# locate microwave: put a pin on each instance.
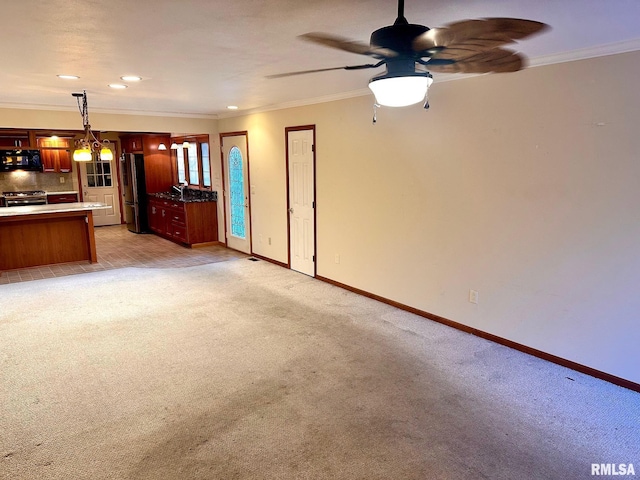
(20, 159)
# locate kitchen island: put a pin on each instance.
(37, 235)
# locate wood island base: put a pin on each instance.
(46, 238)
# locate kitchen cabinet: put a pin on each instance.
(55, 160)
(186, 223)
(55, 154)
(15, 138)
(46, 234)
(62, 197)
(131, 143)
(157, 163)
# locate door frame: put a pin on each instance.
(224, 186)
(315, 210)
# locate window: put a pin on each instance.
(99, 172)
(193, 163)
(194, 177)
(206, 165)
(182, 178)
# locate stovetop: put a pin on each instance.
(25, 193)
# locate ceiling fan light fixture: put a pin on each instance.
(400, 91)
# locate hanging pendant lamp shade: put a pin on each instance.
(106, 154)
(82, 154)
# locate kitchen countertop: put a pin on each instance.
(189, 196)
(66, 192)
(53, 208)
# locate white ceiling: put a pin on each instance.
(198, 56)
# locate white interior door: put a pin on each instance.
(301, 200)
(236, 193)
(100, 184)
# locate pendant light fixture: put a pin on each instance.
(89, 145)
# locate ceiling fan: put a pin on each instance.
(410, 52)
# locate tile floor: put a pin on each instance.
(117, 247)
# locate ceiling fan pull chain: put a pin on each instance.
(375, 112)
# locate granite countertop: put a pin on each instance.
(54, 208)
(190, 196)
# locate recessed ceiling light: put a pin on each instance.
(117, 85)
(131, 78)
(69, 77)
(232, 107)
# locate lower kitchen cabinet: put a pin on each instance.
(187, 223)
(62, 197)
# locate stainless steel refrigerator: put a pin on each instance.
(134, 192)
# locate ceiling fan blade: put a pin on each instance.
(347, 45)
(348, 67)
(482, 34)
(497, 60)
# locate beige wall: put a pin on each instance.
(523, 187)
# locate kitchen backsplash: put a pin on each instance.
(49, 182)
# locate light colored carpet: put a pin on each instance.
(243, 370)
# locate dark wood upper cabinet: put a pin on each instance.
(157, 163)
(55, 153)
(132, 143)
(15, 138)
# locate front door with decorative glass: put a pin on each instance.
(236, 192)
(100, 184)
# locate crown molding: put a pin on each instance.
(585, 53)
(298, 103)
(140, 113)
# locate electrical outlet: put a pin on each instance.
(337, 258)
(61, 179)
(473, 296)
